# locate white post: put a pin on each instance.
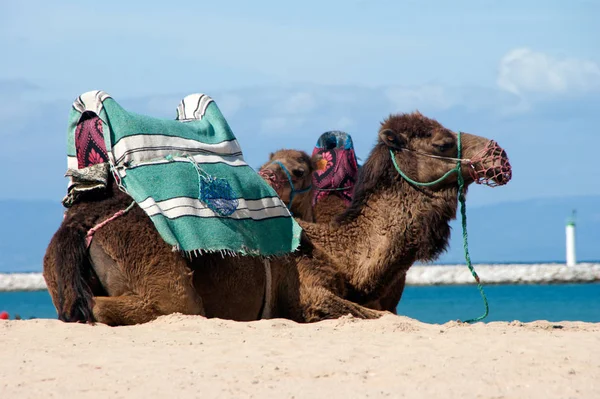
(570, 232)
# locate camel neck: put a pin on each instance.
(301, 206)
(394, 226)
(415, 221)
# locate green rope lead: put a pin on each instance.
(463, 212)
(431, 183)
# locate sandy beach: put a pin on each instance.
(396, 357)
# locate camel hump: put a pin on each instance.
(218, 203)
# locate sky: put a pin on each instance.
(525, 73)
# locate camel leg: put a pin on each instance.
(133, 309)
(141, 292)
(321, 292)
(136, 309)
(391, 300)
(318, 304)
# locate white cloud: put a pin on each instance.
(525, 71)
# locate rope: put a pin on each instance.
(463, 212)
(431, 183)
(293, 191)
(92, 231)
(461, 160)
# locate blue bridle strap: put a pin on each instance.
(291, 182)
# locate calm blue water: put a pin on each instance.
(432, 304)
(560, 302)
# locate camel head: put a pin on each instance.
(289, 172)
(425, 151)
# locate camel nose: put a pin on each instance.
(491, 166)
(298, 172)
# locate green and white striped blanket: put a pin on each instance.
(190, 177)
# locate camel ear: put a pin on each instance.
(393, 139)
(271, 155)
(317, 162)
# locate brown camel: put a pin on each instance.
(299, 166)
(331, 207)
(393, 223)
(131, 275)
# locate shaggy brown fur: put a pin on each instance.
(328, 208)
(301, 167)
(132, 276)
(389, 225)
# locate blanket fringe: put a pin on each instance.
(229, 253)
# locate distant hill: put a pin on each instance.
(527, 231)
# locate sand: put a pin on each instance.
(184, 356)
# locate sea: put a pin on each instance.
(430, 304)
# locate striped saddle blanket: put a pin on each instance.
(187, 174)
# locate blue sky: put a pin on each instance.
(526, 73)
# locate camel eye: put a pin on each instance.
(443, 147)
(298, 172)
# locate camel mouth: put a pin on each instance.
(278, 181)
(491, 166)
(271, 178)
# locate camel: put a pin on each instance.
(330, 208)
(293, 174)
(296, 175)
(300, 168)
(391, 222)
(289, 172)
(132, 276)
